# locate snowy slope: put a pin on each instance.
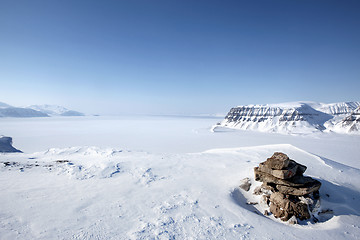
(36, 111)
(335, 108)
(297, 117)
(93, 193)
(54, 110)
(4, 105)
(9, 111)
(20, 112)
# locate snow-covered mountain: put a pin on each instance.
(4, 105)
(335, 108)
(7, 110)
(54, 110)
(351, 123)
(296, 117)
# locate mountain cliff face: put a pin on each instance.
(351, 123)
(286, 118)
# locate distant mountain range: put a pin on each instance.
(296, 117)
(7, 110)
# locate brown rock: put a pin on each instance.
(281, 206)
(289, 194)
(265, 199)
(245, 184)
(296, 181)
(278, 161)
(286, 173)
(276, 211)
(258, 191)
(300, 168)
(279, 212)
(280, 200)
(301, 210)
(263, 189)
(285, 208)
(299, 191)
(267, 188)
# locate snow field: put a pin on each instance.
(102, 193)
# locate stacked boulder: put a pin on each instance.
(288, 193)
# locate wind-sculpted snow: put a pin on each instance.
(97, 193)
(293, 118)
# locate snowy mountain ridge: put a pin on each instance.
(55, 110)
(289, 118)
(351, 123)
(7, 110)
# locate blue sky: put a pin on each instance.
(177, 57)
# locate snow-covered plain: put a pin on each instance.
(162, 178)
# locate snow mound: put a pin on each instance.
(87, 191)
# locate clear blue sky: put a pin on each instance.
(177, 56)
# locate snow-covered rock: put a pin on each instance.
(6, 145)
(297, 117)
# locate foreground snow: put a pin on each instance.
(94, 193)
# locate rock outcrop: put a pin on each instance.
(352, 122)
(6, 145)
(288, 193)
